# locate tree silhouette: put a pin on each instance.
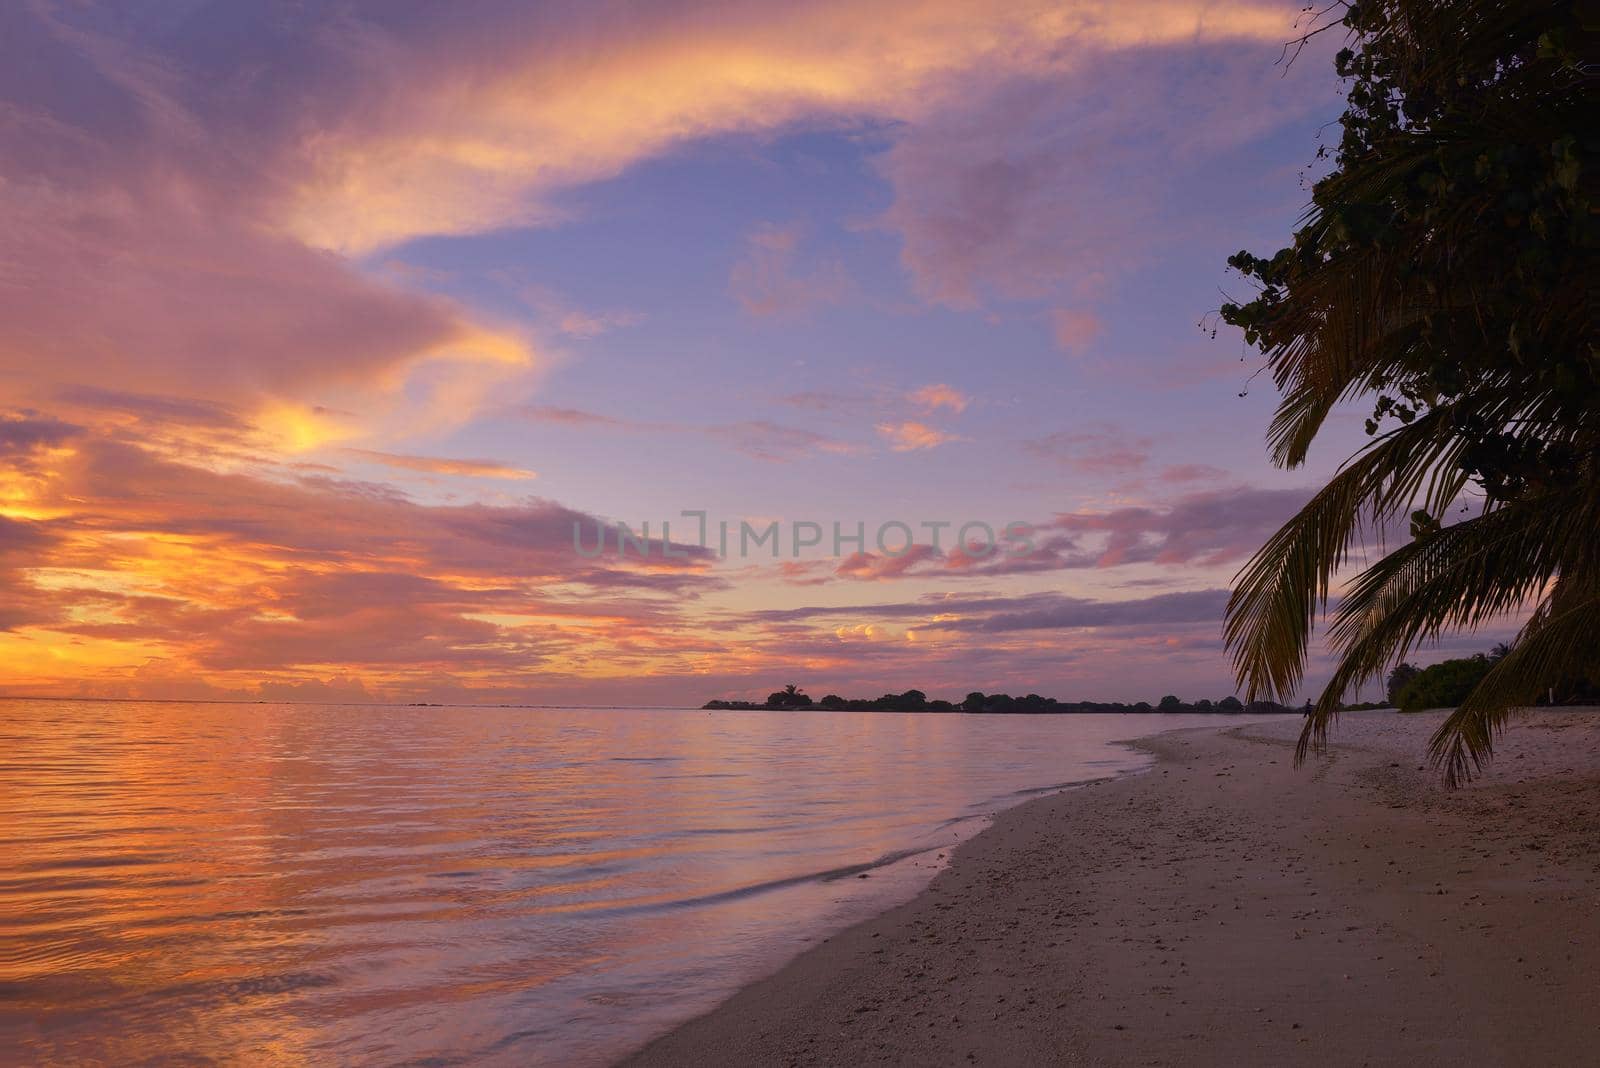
(1444, 272)
(1402, 674)
(791, 696)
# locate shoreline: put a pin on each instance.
(1221, 907)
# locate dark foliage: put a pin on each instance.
(1444, 274)
(993, 704)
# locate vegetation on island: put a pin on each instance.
(1450, 682)
(792, 698)
(1443, 685)
(1444, 273)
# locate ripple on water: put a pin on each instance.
(261, 883)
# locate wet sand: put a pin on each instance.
(1224, 908)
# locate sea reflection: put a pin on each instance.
(298, 883)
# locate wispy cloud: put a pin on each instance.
(760, 439)
(938, 395)
(764, 440)
(1192, 473)
(910, 436)
(565, 317)
(1203, 529)
(825, 401)
(876, 566)
(439, 466)
(770, 280)
(1022, 187)
(1035, 611)
(1074, 328)
(1099, 449)
(546, 413)
(217, 573)
(208, 311)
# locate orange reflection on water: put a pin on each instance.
(283, 883)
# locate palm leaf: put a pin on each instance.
(1558, 642)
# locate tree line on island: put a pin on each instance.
(1409, 689)
(792, 698)
(1450, 682)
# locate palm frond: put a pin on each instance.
(1459, 577)
(1279, 590)
(1559, 641)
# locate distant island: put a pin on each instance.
(1409, 688)
(792, 698)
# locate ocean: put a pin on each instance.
(287, 883)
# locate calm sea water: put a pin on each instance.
(272, 883)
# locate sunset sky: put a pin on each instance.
(321, 324)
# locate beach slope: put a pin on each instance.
(1225, 908)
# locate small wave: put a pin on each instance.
(827, 875)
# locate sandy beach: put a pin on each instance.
(1226, 908)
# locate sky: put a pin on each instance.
(336, 336)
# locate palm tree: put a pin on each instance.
(1444, 272)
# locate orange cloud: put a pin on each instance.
(441, 152)
(938, 395)
(135, 289)
(184, 281)
(909, 436)
(186, 238)
(129, 572)
(438, 466)
(234, 578)
(867, 566)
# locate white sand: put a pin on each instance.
(1224, 908)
